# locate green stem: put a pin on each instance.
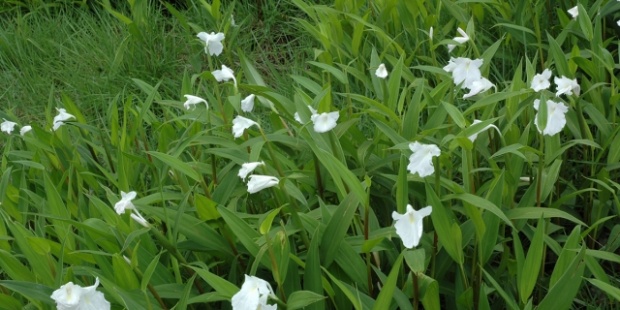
(541, 164)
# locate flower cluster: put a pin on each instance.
(466, 72)
(257, 182)
(556, 111)
(8, 126)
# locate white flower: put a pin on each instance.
(7, 126)
(247, 168)
(25, 129)
(298, 118)
(125, 202)
(75, 297)
(381, 72)
(61, 118)
(253, 295)
(213, 42)
(574, 12)
(240, 124)
(259, 182)
(409, 225)
(430, 33)
(566, 86)
(460, 40)
(478, 86)
(541, 81)
(464, 70)
(618, 22)
(473, 137)
(193, 101)
(556, 118)
(226, 74)
(324, 122)
(421, 161)
(247, 104)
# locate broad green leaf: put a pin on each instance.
(607, 288)
(177, 164)
(534, 213)
(337, 229)
(302, 299)
(528, 277)
(384, 300)
(219, 284)
(562, 294)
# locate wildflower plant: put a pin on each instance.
(418, 189)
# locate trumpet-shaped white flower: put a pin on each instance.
(459, 39)
(324, 122)
(125, 202)
(409, 226)
(478, 86)
(259, 182)
(430, 33)
(74, 297)
(60, 118)
(25, 130)
(473, 137)
(556, 117)
(574, 12)
(298, 118)
(247, 104)
(7, 126)
(566, 86)
(193, 101)
(381, 72)
(464, 70)
(225, 74)
(253, 295)
(240, 124)
(541, 80)
(421, 161)
(213, 42)
(247, 168)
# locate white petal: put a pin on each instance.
(541, 81)
(247, 168)
(421, 161)
(247, 104)
(257, 182)
(556, 117)
(574, 12)
(253, 293)
(409, 226)
(473, 137)
(25, 130)
(478, 86)
(381, 72)
(7, 126)
(325, 122)
(225, 74)
(193, 101)
(240, 124)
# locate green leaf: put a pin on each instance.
(302, 299)
(177, 164)
(387, 291)
(528, 277)
(607, 288)
(482, 204)
(337, 229)
(265, 226)
(32, 291)
(448, 231)
(219, 284)
(562, 294)
(535, 213)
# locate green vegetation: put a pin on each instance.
(521, 176)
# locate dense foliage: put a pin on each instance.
(423, 154)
